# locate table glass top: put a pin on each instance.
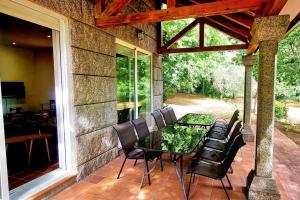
(197, 119)
(175, 139)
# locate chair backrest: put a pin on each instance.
(126, 135)
(237, 144)
(234, 132)
(158, 119)
(233, 119)
(141, 127)
(166, 115)
(172, 114)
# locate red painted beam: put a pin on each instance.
(194, 11)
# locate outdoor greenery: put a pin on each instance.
(193, 118)
(280, 110)
(221, 74)
(181, 138)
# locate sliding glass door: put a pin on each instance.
(134, 84)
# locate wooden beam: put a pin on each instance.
(230, 25)
(195, 11)
(115, 7)
(226, 31)
(180, 34)
(171, 3)
(99, 7)
(203, 49)
(201, 34)
(239, 19)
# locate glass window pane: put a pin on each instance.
(144, 84)
(125, 83)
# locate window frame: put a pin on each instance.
(34, 13)
(136, 50)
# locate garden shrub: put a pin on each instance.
(280, 110)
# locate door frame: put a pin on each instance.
(34, 13)
(136, 50)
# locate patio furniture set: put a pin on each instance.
(213, 144)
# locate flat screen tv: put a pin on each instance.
(13, 89)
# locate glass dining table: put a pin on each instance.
(179, 141)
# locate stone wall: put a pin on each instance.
(94, 77)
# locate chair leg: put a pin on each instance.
(121, 168)
(224, 189)
(188, 192)
(194, 175)
(230, 186)
(135, 162)
(147, 171)
(161, 164)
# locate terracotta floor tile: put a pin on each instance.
(104, 185)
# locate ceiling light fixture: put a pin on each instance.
(14, 43)
(48, 36)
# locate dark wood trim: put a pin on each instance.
(203, 49)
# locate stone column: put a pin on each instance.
(248, 61)
(266, 31)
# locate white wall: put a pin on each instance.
(35, 69)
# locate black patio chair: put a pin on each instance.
(215, 170)
(158, 119)
(222, 123)
(142, 131)
(216, 151)
(172, 114)
(167, 116)
(222, 145)
(221, 131)
(128, 140)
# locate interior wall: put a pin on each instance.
(17, 65)
(35, 69)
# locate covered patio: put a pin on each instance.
(257, 25)
(103, 184)
(267, 167)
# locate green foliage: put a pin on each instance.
(194, 118)
(194, 72)
(280, 110)
(288, 67)
(181, 138)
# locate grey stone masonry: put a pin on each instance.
(266, 31)
(248, 61)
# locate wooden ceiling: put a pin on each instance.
(233, 17)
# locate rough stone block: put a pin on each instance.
(91, 38)
(158, 76)
(157, 102)
(263, 188)
(91, 63)
(93, 144)
(157, 87)
(269, 28)
(93, 89)
(89, 118)
(92, 165)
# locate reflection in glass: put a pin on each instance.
(125, 83)
(144, 84)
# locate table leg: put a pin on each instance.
(47, 147)
(26, 147)
(29, 152)
(180, 175)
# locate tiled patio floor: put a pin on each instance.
(103, 185)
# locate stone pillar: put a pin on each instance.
(248, 61)
(266, 31)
